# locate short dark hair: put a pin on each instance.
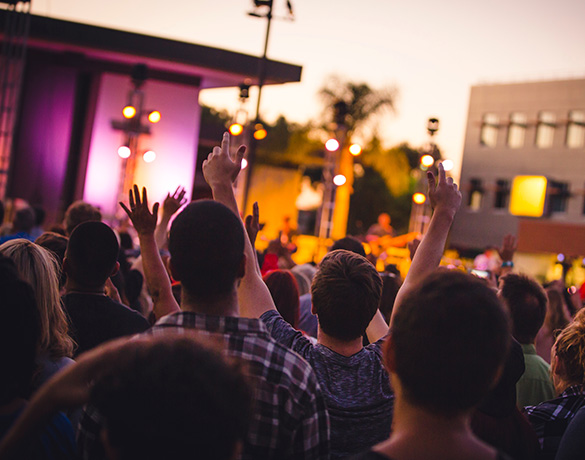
(527, 302)
(173, 397)
(206, 243)
(24, 220)
(79, 212)
(450, 339)
(92, 252)
(20, 333)
(349, 243)
(346, 293)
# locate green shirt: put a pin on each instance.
(535, 385)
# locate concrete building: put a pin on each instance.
(524, 129)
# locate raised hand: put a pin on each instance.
(219, 169)
(509, 245)
(443, 194)
(173, 202)
(253, 224)
(143, 220)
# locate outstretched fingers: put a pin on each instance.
(240, 154)
(442, 175)
(225, 144)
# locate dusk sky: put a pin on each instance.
(432, 52)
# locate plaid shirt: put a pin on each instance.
(550, 418)
(290, 419)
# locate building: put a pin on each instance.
(77, 79)
(524, 129)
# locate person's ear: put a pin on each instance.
(556, 366)
(66, 266)
(313, 310)
(242, 267)
(173, 270)
(115, 269)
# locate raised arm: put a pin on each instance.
(445, 200)
(170, 206)
(157, 278)
(220, 172)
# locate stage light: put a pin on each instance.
(419, 198)
(427, 161)
(339, 180)
(355, 149)
(332, 145)
(236, 129)
(259, 132)
(149, 156)
(128, 111)
(124, 151)
(448, 165)
(154, 116)
(244, 163)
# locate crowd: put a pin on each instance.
(199, 346)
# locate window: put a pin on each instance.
(558, 196)
(516, 130)
(576, 129)
(502, 194)
(475, 195)
(489, 130)
(545, 130)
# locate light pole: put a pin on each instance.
(420, 208)
(267, 5)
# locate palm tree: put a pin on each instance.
(352, 105)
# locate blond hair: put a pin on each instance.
(40, 269)
(569, 348)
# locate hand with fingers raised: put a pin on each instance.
(219, 169)
(173, 202)
(253, 224)
(443, 193)
(143, 220)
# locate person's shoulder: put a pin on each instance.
(282, 366)
(124, 313)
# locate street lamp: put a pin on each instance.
(259, 6)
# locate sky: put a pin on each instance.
(431, 52)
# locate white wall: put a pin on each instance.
(174, 139)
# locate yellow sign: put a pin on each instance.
(528, 196)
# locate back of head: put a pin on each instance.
(450, 339)
(19, 333)
(92, 252)
(557, 314)
(569, 349)
(527, 301)
(349, 243)
(40, 269)
(79, 212)
(346, 293)
(24, 220)
(57, 244)
(201, 406)
(285, 293)
(206, 243)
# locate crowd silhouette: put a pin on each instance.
(194, 345)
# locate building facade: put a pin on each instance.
(524, 129)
